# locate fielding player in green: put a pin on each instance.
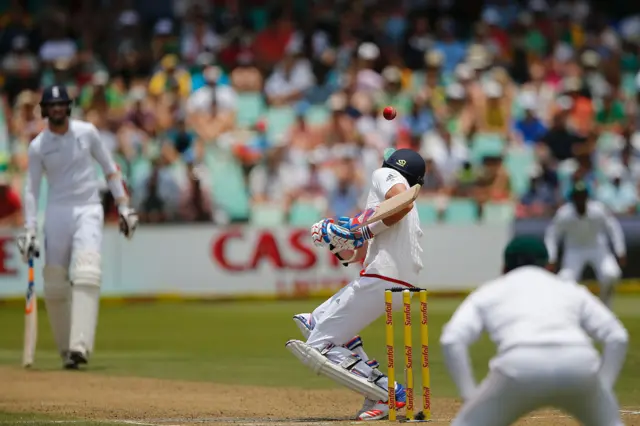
(542, 326)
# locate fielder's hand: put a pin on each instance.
(28, 245)
(128, 221)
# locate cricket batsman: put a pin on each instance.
(585, 224)
(64, 151)
(542, 326)
(392, 248)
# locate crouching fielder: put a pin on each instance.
(64, 152)
(541, 325)
(332, 347)
(585, 224)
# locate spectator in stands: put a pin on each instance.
(417, 43)
(582, 114)
(195, 204)
(448, 151)
(529, 129)
(494, 183)
(157, 195)
(344, 198)
(58, 45)
(246, 77)
(433, 181)
(542, 197)
(453, 50)
(139, 113)
(465, 183)
(290, 79)
(10, 205)
(20, 68)
(393, 95)
(619, 193)
(367, 79)
(212, 108)
(170, 76)
(199, 39)
(610, 114)
(164, 41)
(26, 122)
(542, 91)
(494, 114)
(559, 143)
(273, 180)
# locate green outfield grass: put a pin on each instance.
(243, 343)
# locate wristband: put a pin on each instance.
(377, 228)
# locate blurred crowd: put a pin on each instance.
(270, 111)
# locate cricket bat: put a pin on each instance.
(389, 207)
(30, 320)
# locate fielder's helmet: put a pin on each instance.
(56, 94)
(409, 163)
(524, 251)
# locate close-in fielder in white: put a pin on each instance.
(541, 325)
(393, 259)
(585, 224)
(64, 152)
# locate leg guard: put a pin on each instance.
(57, 297)
(343, 367)
(85, 277)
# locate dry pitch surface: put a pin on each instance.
(126, 400)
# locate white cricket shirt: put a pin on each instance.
(396, 252)
(531, 308)
(67, 162)
(587, 232)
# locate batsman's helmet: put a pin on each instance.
(523, 251)
(409, 163)
(56, 94)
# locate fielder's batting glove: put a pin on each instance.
(28, 245)
(128, 221)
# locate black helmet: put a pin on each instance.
(409, 163)
(56, 94)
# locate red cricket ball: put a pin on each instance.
(389, 113)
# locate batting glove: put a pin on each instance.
(28, 245)
(128, 221)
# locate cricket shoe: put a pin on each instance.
(74, 359)
(305, 323)
(372, 410)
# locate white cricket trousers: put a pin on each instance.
(72, 234)
(68, 229)
(350, 310)
(600, 258)
(527, 378)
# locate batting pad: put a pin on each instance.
(57, 297)
(339, 373)
(85, 275)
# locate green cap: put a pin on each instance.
(525, 250)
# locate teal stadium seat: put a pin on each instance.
(229, 190)
(461, 211)
(519, 164)
(427, 211)
(305, 213)
(251, 107)
(498, 212)
(317, 114)
(266, 215)
(486, 144)
(279, 120)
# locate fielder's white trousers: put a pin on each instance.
(600, 258)
(68, 229)
(527, 378)
(350, 310)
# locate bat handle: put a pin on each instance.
(30, 262)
